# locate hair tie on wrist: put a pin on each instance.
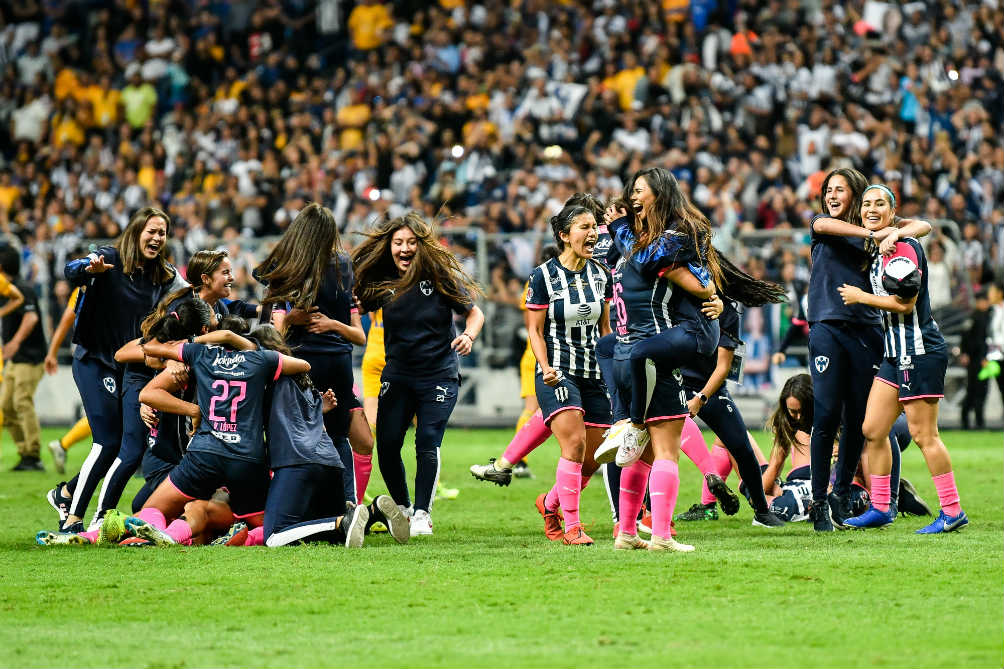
(175, 314)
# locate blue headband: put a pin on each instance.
(885, 189)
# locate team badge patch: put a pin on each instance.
(109, 384)
(384, 387)
(561, 394)
(822, 362)
(425, 287)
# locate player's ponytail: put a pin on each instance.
(741, 287)
(188, 319)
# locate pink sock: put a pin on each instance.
(664, 485)
(632, 494)
(533, 434)
(881, 493)
(569, 485)
(363, 467)
(552, 501)
(256, 537)
(692, 444)
(721, 465)
(948, 494)
(180, 531)
(90, 536)
(153, 516)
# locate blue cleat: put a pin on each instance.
(871, 518)
(945, 523)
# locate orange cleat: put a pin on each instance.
(672, 528)
(617, 529)
(576, 537)
(552, 520)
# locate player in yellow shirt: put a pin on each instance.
(82, 429)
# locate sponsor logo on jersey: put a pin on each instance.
(821, 362)
(228, 361)
(441, 393)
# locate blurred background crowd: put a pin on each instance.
(487, 115)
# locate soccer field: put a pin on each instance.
(489, 590)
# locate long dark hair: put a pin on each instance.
(780, 424)
(131, 254)
(295, 268)
(377, 278)
(187, 319)
(590, 202)
(561, 222)
(741, 287)
(856, 182)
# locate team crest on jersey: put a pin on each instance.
(821, 362)
(426, 287)
(109, 383)
(678, 376)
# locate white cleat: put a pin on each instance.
(58, 455)
(397, 521)
(629, 542)
(354, 526)
(607, 450)
(668, 544)
(632, 447)
(421, 523)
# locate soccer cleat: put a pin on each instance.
(819, 514)
(144, 530)
(492, 474)
(871, 518)
(235, 536)
(136, 542)
(28, 463)
(47, 538)
(699, 512)
(112, 529)
(72, 528)
(521, 470)
(945, 523)
(645, 524)
(910, 503)
(632, 447)
(629, 542)
(378, 527)
(442, 492)
(58, 455)
(616, 529)
(668, 544)
(393, 518)
(840, 509)
(728, 499)
(607, 450)
(766, 519)
(421, 523)
(354, 526)
(96, 521)
(59, 502)
(576, 537)
(552, 519)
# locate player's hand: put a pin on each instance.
(178, 371)
(196, 417)
(328, 400)
(97, 266)
(320, 323)
(694, 405)
(298, 316)
(10, 349)
(713, 307)
(462, 344)
(850, 294)
(551, 376)
(149, 416)
(778, 358)
(51, 365)
(888, 245)
(613, 213)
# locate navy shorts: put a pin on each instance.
(588, 396)
(667, 398)
(916, 376)
(200, 474)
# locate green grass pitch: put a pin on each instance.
(489, 590)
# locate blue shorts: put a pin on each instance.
(201, 473)
(588, 396)
(917, 376)
(667, 398)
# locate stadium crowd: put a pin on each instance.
(232, 115)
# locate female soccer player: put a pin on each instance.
(309, 276)
(912, 376)
(124, 283)
(568, 302)
(228, 446)
(419, 284)
(845, 341)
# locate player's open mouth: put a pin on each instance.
(153, 249)
(834, 206)
(589, 246)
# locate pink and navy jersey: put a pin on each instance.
(904, 274)
(230, 391)
(574, 303)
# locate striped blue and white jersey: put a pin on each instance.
(574, 303)
(904, 274)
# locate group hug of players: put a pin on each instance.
(251, 438)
